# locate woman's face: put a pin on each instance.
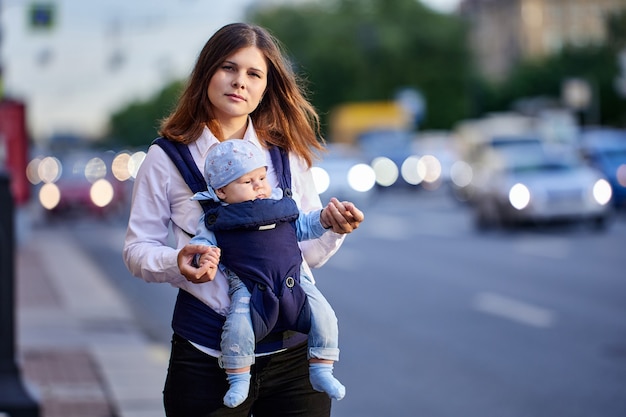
(237, 86)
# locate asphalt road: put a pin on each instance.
(439, 320)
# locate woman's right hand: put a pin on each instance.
(209, 259)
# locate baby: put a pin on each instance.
(236, 178)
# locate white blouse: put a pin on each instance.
(161, 212)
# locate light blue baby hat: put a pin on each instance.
(229, 160)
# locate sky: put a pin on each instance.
(104, 54)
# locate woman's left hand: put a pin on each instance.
(202, 273)
(342, 216)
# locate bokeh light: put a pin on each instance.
(119, 166)
(602, 191)
(411, 170)
(32, 171)
(95, 169)
(101, 193)
(49, 195)
(461, 173)
(385, 170)
(519, 196)
(621, 175)
(433, 168)
(361, 177)
(135, 162)
(49, 169)
(321, 179)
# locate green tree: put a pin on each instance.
(595, 64)
(360, 50)
(348, 50)
(137, 123)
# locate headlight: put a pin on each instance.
(135, 162)
(101, 193)
(621, 175)
(120, 166)
(413, 170)
(49, 196)
(602, 192)
(49, 169)
(321, 179)
(385, 171)
(361, 177)
(433, 168)
(519, 196)
(461, 174)
(95, 169)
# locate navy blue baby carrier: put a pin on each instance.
(256, 238)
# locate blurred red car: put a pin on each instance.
(81, 182)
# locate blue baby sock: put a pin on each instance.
(322, 379)
(238, 391)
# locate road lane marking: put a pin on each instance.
(515, 310)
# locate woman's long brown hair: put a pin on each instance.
(284, 117)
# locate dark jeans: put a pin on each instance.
(279, 387)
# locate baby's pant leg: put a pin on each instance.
(237, 335)
(324, 333)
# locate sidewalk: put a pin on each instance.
(79, 349)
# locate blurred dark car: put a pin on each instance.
(542, 188)
(390, 153)
(342, 172)
(605, 150)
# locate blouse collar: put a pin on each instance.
(208, 139)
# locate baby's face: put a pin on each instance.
(249, 186)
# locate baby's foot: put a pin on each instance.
(322, 379)
(238, 391)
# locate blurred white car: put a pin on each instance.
(485, 156)
(343, 173)
(542, 189)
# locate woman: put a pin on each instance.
(240, 88)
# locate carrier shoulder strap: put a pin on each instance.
(280, 159)
(181, 156)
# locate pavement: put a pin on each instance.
(80, 351)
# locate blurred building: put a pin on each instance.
(505, 31)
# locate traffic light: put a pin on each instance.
(42, 15)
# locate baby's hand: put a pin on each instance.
(209, 261)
